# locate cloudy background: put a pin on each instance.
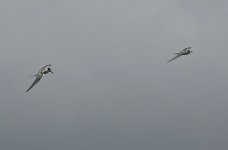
(112, 88)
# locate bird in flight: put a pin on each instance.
(185, 51)
(44, 70)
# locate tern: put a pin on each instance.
(185, 51)
(44, 70)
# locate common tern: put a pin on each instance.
(185, 51)
(44, 70)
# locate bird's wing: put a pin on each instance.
(43, 68)
(38, 77)
(184, 49)
(178, 55)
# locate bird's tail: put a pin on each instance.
(33, 75)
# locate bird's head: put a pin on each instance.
(188, 50)
(49, 69)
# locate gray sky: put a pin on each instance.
(112, 88)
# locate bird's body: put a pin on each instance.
(44, 70)
(185, 51)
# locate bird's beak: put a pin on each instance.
(52, 72)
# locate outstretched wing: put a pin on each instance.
(38, 77)
(178, 55)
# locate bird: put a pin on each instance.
(44, 70)
(185, 51)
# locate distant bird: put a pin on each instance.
(44, 70)
(185, 51)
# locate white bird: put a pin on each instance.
(185, 51)
(44, 70)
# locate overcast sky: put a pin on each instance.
(112, 88)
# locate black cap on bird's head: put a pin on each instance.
(49, 69)
(188, 49)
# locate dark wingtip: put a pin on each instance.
(28, 90)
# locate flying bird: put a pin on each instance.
(185, 51)
(44, 70)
